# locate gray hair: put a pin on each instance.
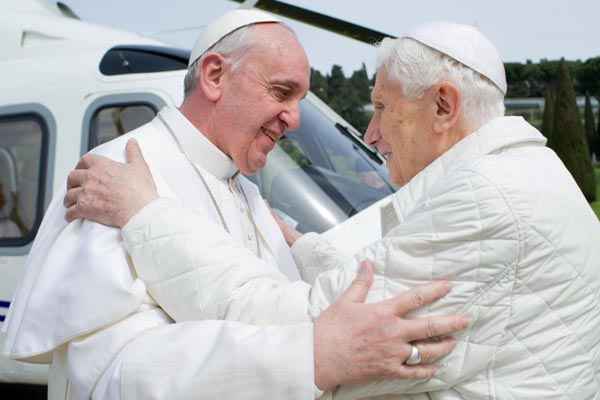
(233, 46)
(418, 67)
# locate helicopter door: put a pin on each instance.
(24, 173)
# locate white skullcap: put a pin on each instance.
(467, 45)
(226, 24)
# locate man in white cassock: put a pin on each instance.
(83, 307)
(482, 203)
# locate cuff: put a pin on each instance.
(307, 254)
(304, 247)
(135, 231)
(140, 231)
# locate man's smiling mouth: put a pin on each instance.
(270, 134)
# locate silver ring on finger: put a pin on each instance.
(415, 356)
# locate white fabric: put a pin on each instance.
(498, 215)
(226, 24)
(465, 44)
(81, 300)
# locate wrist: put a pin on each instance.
(291, 236)
(325, 377)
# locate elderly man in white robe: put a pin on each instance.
(482, 202)
(83, 307)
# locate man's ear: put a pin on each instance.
(210, 76)
(448, 106)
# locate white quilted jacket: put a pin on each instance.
(498, 215)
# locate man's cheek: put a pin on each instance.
(257, 155)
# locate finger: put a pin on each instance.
(133, 152)
(414, 372)
(72, 214)
(433, 350)
(76, 178)
(88, 160)
(358, 290)
(72, 196)
(424, 328)
(417, 297)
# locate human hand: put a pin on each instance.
(109, 192)
(356, 342)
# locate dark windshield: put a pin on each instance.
(319, 175)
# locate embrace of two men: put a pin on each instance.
(202, 293)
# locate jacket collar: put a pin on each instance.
(497, 134)
(196, 146)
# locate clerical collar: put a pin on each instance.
(198, 148)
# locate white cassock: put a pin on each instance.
(82, 306)
(498, 215)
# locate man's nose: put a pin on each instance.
(291, 116)
(372, 135)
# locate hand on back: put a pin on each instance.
(109, 192)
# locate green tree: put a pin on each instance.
(518, 86)
(568, 136)
(590, 127)
(589, 77)
(548, 119)
(598, 129)
(361, 83)
(345, 99)
(530, 79)
(318, 84)
(336, 82)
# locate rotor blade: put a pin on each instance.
(322, 21)
(66, 10)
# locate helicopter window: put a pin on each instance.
(142, 60)
(22, 160)
(115, 120)
(316, 177)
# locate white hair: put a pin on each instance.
(233, 46)
(418, 67)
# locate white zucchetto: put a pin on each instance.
(466, 44)
(226, 24)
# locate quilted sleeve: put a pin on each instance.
(195, 271)
(313, 256)
(464, 231)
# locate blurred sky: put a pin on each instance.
(520, 29)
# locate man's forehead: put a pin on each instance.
(382, 83)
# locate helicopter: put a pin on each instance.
(69, 86)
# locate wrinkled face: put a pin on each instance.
(260, 100)
(400, 129)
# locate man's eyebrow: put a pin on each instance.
(286, 82)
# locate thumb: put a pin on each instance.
(358, 290)
(133, 152)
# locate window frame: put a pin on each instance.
(47, 123)
(115, 100)
(175, 54)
